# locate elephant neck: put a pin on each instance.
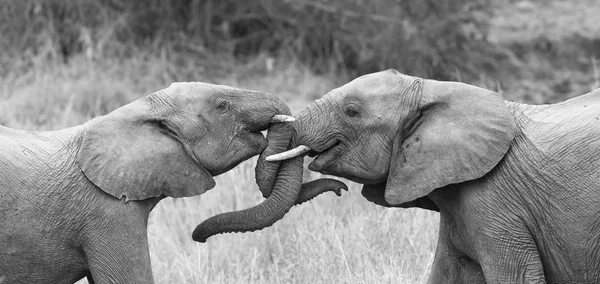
(42, 157)
(41, 166)
(41, 146)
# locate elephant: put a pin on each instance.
(74, 203)
(517, 186)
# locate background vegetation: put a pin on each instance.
(63, 62)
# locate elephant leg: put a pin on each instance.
(455, 269)
(120, 259)
(511, 256)
(116, 242)
(452, 266)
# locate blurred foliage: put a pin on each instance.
(494, 44)
(429, 38)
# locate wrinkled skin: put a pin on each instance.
(286, 191)
(279, 182)
(516, 185)
(75, 202)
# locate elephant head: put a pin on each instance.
(403, 137)
(173, 141)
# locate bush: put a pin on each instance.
(430, 38)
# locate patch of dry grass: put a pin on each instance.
(524, 20)
(328, 240)
(54, 96)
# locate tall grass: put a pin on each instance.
(328, 240)
(54, 95)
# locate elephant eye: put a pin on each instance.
(351, 110)
(222, 105)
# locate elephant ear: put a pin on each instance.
(130, 154)
(460, 134)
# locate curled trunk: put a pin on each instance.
(286, 177)
(314, 126)
(288, 191)
(314, 188)
(278, 137)
(283, 197)
(279, 182)
(278, 140)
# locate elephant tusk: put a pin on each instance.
(289, 154)
(282, 118)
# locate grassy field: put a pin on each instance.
(328, 240)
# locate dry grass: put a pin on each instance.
(525, 20)
(53, 96)
(329, 240)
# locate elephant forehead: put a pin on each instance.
(190, 92)
(376, 84)
(195, 89)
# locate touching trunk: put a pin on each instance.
(278, 137)
(279, 202)
(314, 188)
(286, 177)
(314, 126)
(280, 183)
(287, 192)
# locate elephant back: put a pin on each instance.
(566, 132)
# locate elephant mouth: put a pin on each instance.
(256, 140)
(246, 144)
(328, 161)
(255, 134)
(332, 162)
(324, 159)
(315, 153)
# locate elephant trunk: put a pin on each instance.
(284, 195)
(315, 126)
(312, 189)
(278, 137)
(280, 183)
(309, 132)
(288, 191)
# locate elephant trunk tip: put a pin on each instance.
(317, 187)
(248, 220)
(202, 233)
(199, 237)
(282, 198)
